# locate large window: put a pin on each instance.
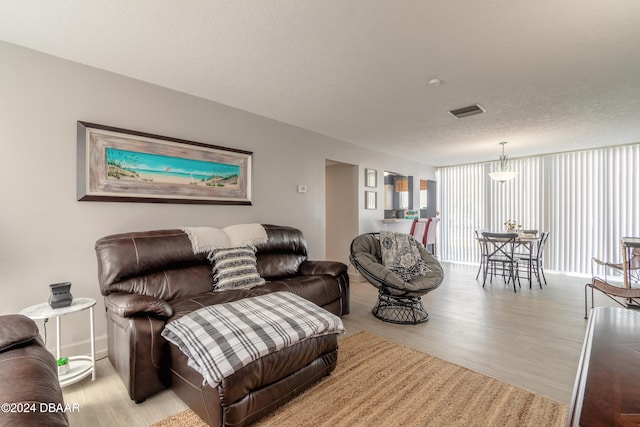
(587, 200)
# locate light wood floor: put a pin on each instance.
(531, 339)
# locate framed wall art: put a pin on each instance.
(370, 178)
(127, 166)
(370, 200)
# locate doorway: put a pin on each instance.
(341, 209)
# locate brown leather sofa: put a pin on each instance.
(151, 278)
(30, 393)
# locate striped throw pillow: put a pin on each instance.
(235, 268)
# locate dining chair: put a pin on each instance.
(499, 255)
(539, 259)
(479, 238)
(432, 230)
(419, 229)
(532, 260)
(527, 248)
(633, 266)
(624, 296)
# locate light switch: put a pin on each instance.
(302, 188)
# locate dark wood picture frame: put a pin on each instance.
(120, 165)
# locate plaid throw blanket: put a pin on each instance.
(220, 339)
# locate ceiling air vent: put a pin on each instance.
(467, 111)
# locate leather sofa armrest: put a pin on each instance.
(128, 305)
(322, 268)
(15, 330)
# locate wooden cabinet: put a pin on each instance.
(607, 386)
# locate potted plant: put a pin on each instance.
(63, 365)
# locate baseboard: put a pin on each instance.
(356, 277)
(79, 348)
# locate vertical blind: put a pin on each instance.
(587, 200)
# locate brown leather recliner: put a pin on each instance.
(151, 278)
(29, 389)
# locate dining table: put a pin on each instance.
(528, 242)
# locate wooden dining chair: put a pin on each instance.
(499, 255)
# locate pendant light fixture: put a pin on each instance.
(503, 174)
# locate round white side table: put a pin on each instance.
(80, 366)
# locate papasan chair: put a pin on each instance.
(399, 300)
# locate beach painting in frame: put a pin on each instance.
(122, 165)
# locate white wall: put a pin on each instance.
(47, 236)
(341, 205)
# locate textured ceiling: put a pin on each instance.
(552, 75)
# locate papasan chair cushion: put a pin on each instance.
(366, 256)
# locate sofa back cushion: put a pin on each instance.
(158, 263)
(283, 252)
(161, 263)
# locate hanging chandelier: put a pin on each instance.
(503, 174)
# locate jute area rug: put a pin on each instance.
(379, 383)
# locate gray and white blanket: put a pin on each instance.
(219, 340)
(401, 255)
